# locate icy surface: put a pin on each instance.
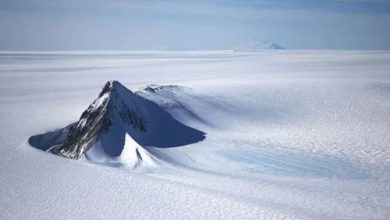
(290, 135)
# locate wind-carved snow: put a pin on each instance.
(132, 155)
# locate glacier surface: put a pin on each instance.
(290, 135)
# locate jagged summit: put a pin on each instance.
(121, 125)
(113, 86)
(108, 110)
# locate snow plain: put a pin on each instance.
(289, 135)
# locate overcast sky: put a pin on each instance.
(184, 24)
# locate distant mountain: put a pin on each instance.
(256, 45)
(273, 46)
(118, 128)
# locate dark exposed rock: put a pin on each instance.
(97, 120)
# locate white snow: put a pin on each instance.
(289, 135)
(132, 156)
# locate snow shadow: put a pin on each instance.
(162, 130)
(46, 140)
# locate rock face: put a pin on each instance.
(98, 118)
(120, 119)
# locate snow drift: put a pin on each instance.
(117, 129)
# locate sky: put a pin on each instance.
(193, 24)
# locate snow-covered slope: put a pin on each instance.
(290, 135)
